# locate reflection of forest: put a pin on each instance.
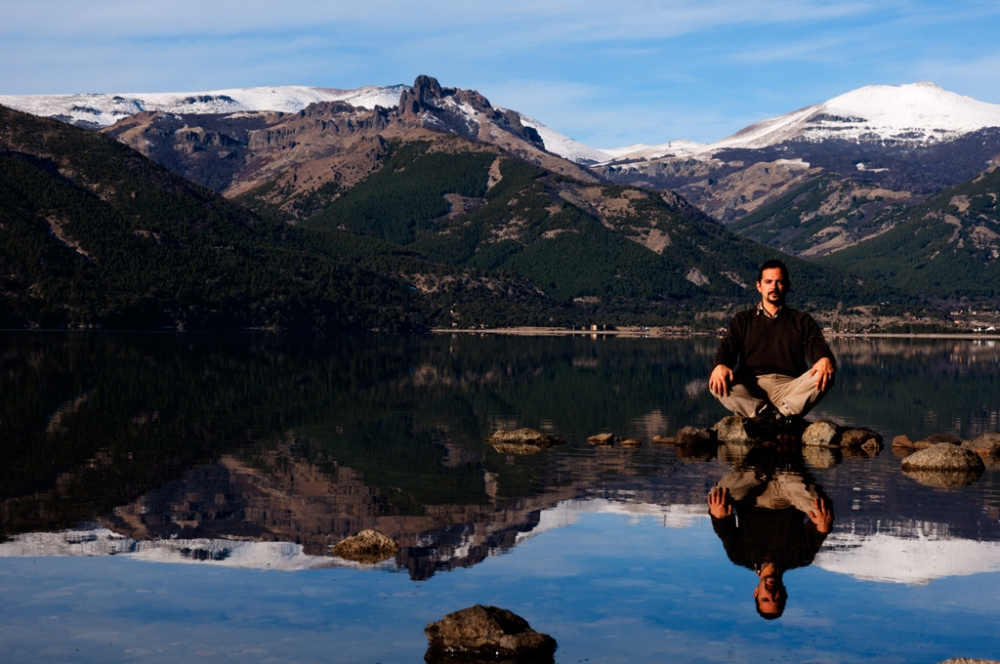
(917, 387)
(313, 441)
(866, 350)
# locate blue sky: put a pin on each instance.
(606, 73)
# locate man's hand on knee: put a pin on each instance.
(718, 503)
(720, 379)
(823, 372)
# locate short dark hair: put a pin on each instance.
(770, 265)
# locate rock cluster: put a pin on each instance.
(522, 441)
(824, 433)
(946, 461)
(486, 634)
(368, 547)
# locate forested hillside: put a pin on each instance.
(449, 233)
(947, 247)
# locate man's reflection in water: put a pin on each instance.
(771, 517)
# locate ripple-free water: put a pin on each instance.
(174, 498)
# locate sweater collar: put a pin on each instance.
(762, 310)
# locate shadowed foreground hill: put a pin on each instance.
(93, 233)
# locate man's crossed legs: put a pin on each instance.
(751, 396)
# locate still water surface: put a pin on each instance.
(175, 498)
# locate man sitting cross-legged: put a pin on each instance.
(773, 363)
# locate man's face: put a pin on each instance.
(773, 286)
(770, 596)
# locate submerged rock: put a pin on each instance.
(944, 456)
(937, 439)
(861, 437)
(986, 445)
(822, 433)
(486, 634)
(603, 439)
(630, 442)
(368, 547)
(522, 441)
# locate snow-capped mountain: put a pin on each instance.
(916, 114)
(103, 110)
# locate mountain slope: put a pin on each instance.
(948, 246)
(606, 249)
(92, 232)
(327, 146)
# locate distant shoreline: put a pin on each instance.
(662, 333)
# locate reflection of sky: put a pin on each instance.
(609, 587)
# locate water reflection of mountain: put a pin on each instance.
(260, 441)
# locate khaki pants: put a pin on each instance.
(786, 488)
(750, 395)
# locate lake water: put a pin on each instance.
(175, 498)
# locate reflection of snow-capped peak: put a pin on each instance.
(568, 512)
(102, 110)
(99, 541)
(916, 557)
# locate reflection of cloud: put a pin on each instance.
(696, 388)
(568, 512)
(916, 557)
(651, 424)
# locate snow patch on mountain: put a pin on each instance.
(103, 110)
(914, 115)
(564, 146)
(918, 114)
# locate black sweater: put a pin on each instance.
(779, 345)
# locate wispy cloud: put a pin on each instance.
(605, 73)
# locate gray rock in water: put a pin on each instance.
(521, 441)
(486, 633)
(937, 439)
(368, 547)
(730, 430)
(822, 433)
(944, 456)
(986, 445)
(861, 437)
